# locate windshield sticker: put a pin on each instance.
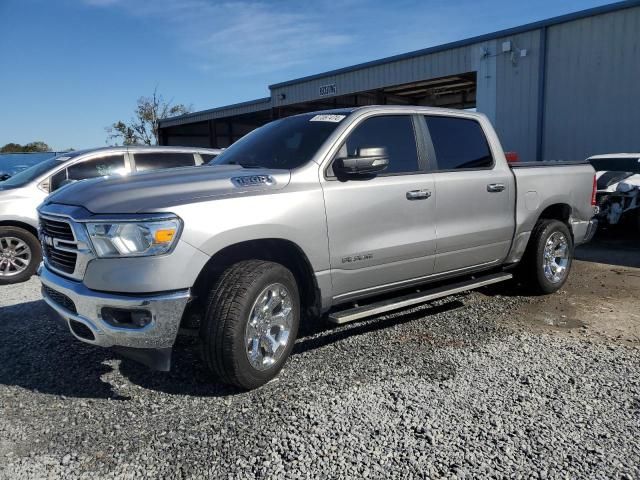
(328, 118)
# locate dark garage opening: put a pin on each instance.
(455, 91)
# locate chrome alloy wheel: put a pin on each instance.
(268, 329)
(556, 257)
(15, 256)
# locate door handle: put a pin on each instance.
(418, 194)
(495, 187)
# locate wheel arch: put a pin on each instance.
(277, 250)
(25, 226)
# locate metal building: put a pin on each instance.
(560, 89)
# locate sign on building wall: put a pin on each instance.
(326, 90)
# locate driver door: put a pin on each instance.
(381, 229)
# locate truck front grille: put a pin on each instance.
(61, 260)
(58, 244)
(59, 299)
(56, 229)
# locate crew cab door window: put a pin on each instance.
(159, 160)
(96, 167)
(459, 143)
(395, 133)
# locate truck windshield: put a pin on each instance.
(28, 175)
(283, 144)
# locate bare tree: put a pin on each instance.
(142, 129)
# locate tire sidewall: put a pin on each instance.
(544, 283)
(36, 253)
(244, 370)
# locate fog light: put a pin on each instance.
(122, 318)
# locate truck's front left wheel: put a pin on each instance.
(251, 323)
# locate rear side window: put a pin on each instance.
(157, 160)
(459, 143)
(395, 133)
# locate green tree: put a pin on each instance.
(142, 129)
(28, 148)
(37, 147)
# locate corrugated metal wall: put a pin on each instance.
(517, 94)
(441, 64)
(592, 101)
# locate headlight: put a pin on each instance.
(133, 239)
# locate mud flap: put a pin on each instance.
(155, 358)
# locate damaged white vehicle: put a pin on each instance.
(618, 188)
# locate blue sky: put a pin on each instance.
(69, 68)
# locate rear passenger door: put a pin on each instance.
(381, 232)
(158, 160)
(475, 195)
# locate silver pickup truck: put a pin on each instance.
(339, 214)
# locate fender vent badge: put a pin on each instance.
(253, 180)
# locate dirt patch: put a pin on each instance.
(600, 301)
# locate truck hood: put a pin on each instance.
(146, 192)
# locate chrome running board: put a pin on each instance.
(360, 312)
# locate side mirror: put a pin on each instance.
(367, 161)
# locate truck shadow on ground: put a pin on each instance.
(39, 354)
(614, 246)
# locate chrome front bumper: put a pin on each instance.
(77, 304)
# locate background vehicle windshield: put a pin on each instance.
(283, 144)
(20, 179)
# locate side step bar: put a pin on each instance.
(357, 313)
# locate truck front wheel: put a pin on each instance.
(548, 259)
(251, 323)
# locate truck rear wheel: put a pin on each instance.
(548, 259)
(251, 323)
(20, 255)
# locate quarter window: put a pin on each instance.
(459, 143)
(158, 160)
(393, 132)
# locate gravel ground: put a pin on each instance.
(454, 390)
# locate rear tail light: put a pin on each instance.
(593, 192)
(512, 157)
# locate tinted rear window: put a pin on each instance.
(459, 143)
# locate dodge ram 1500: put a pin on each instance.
(338, 214)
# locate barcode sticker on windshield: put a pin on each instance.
(328, 118)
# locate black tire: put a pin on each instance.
(532, 271)
(229, 307)
(6, 277)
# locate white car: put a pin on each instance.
(618, 187)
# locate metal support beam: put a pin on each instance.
(542, 80)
